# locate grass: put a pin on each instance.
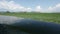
(48, 17)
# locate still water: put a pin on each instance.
(8, 20)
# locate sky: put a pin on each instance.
(43, 6)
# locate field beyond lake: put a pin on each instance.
(48, 17)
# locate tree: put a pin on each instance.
(7, 11)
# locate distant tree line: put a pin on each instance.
(7, 11)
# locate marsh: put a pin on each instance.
(15, 25)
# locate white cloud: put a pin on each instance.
(50, 9)
(55, 8)
(12, 6)
(38, 8)
(58, 5)
(28, 9)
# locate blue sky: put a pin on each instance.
(30, 5)
(42, 3)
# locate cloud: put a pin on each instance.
(29, 9)
(56, 8)
(12, 6)
(38, 8)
